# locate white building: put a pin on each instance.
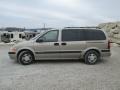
(17, 36)
(12, 36)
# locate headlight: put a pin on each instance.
(12, 49)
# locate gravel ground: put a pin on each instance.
(60, 75)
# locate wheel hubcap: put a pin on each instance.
(27, 58)
(92, 58)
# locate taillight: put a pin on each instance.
(109, 44)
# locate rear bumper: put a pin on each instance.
(12, 55)
(105, 53)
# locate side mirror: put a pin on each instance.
(39, 40)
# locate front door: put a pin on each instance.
(47, 46)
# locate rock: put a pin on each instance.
(112, 28)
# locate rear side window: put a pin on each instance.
(72, 35)
(94, 35)
(82, 35)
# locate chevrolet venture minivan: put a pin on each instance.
(89, 44)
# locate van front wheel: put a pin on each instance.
(91, 57)
(25, 58)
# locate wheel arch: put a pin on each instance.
(92, 49)
(21, 50)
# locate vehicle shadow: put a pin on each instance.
(57, 61)
(80, 61)
(103, 61)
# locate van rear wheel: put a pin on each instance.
(25, 58)
(91, 57)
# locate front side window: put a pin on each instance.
(51, 36)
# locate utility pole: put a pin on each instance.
(44, 25)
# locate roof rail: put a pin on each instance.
(83, 27)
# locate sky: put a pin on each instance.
(57, 13)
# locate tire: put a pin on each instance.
(25, 58)
(91, 57)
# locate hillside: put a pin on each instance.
(112, 28)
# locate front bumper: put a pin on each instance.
(12, 55)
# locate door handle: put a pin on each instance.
(64, 44)
(56, 44)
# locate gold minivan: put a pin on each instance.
(89, 44)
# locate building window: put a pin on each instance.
(20, 35)
(11, 35)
